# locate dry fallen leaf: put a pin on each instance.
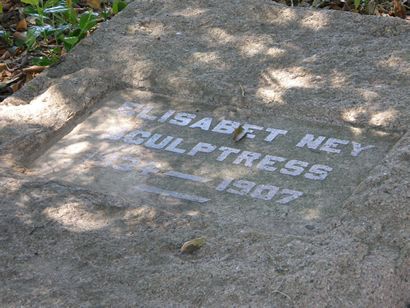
(6, 73)
(193, 245)
(238, 134)
(17, 86)
(6, 55)
(34, 69)
(95, 4)
(399, 9)
(22, 25)
(30, 76)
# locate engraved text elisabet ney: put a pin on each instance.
(155, 149)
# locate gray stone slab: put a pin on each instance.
(329, 66)
(84, 221)
(139, 144)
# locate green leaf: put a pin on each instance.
(31, 38)
(105, 14)
(357, 3)
(115, 7)
(42, 29)
(1, 8)
(71, 16)
(72, 40)
(7, 37)
(87, 21)
(31, 2)
(118, 6)
(37, 13)
(52, 3)
(45, 61)
(56, 9)
(47, 30)
(122, 5)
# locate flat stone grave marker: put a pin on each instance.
(136, 146)
(310, 208)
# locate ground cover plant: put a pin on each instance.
(35, 34)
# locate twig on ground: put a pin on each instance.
(284, 294)
(242, 90)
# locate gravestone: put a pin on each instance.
(117, 156)
(140, 146)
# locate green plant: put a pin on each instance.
(7, 37)
(44, 31)
(35, 9)
(118, 6)
(59, 22)
(53, 57)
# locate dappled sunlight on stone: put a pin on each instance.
(351, 115)
(287, 16)
(220, 36)
(397, 63)
(139, 147)
(211, 59)
(12, 185)
(274, 52)
(193, 213)
(252, 48)
(159, 96)
(274, 83)
(337, 79)
(315, 21)
(356, 131)
(144, 213)
(368, 95)
(272, 96)
(312, 214)
(370, 116)
(191, 12)
(34, 111)
(77, 148)
(295, 77)
(76, 218)
(383, 117)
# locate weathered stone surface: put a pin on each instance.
(330, 66)
(72, 235)
(139, 144)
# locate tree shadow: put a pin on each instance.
(264, 58)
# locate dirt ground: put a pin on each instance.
(66, 244)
